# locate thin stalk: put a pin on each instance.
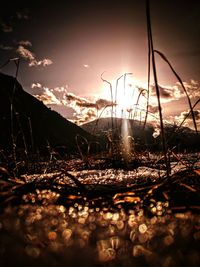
(23, 137)
(31, 134)
(125, 74)
(116, 88)
(150, 40)
(111, 94)
(17, 61)
(136, 105)
(149, 77)
(180, 125)
(96, 123)
(180, 81)
(189, 113)
(149, 113)
(78, 139)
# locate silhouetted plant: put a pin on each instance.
(151, 46)
(181, 83)
(83, 148)
(137, 102)
(17, 62)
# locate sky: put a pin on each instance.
(67, 48)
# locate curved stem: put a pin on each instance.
(180, 81)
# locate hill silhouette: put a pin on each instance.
(180, 139)
(29, 125)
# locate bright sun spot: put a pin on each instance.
(127, 96)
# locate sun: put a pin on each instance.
(127, 96)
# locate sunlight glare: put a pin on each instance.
(125, 96)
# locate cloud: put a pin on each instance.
(36, 85)
(86, 116)
(44, 62)
(22, 14)
(98, 104)
(6, 27)
(25, 43)
(187, 114)
(166, 92)
(73, 97)
(85, 109)
(102, 103)
(174, 92)
(193, 88)
(25, 53)
(61, 89)
(4, 47)
(194, 82)
(76, 102)
(84, 103)
(153, 109)
(48, 97)
(188, 118)
(30, 56)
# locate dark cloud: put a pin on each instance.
(72, 97)
(84, 103)
(164, 92)
(187, 114)
(153, 109)
(102, 103)
(99, 104)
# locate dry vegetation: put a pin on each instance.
(110, 208)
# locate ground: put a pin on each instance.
(67, 213)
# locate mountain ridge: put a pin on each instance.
(178, 139)
(28, 124)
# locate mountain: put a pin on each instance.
(180, 139)
(29, 125)
(101, 128)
